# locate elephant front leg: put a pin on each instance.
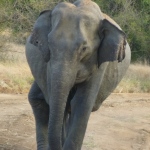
(41, 113)
(81, 107)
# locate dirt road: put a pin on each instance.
(122, 123)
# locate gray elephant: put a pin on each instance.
(77, 56)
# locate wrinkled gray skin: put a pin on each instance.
(77, 56)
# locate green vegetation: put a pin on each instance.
(20, 15)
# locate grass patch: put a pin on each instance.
(15, 77)
(136, 80)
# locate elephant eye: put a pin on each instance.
(36, 42)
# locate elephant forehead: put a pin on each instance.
(74, 18)
(62, 8)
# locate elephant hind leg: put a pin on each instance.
(41, 113)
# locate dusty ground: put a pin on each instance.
(122, 123)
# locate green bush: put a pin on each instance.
(20, 15)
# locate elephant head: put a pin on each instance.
(75, 40)
(109, 33)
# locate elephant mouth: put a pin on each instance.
(79, 80)
(82, 79)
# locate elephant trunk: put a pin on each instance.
(62, 78)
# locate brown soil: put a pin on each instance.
(122, 123)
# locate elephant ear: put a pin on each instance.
(44, 11)
(39, 36)
(113, 42)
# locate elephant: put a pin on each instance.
(77, 56)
